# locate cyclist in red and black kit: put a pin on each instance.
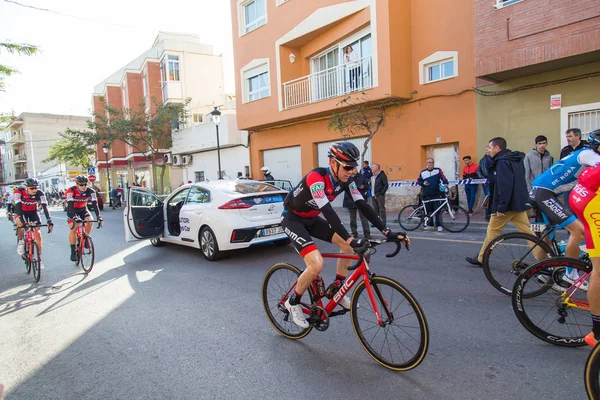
(27, 198)
(301, 222)
(77, 199)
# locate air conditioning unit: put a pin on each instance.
(177, 159)
(186, 159)
(168, 158)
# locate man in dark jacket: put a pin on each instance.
(482, 171)
(432, 180)
(380, 186)
(574, 142)
(367, 173)
(349, 203)
(508, 193)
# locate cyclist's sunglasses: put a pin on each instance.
(346, 167)
(82, 184)
(32, 187)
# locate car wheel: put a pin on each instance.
(156, 242)
(209, 245)
(282, 242)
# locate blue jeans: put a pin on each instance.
(471, 192)
(486, 192)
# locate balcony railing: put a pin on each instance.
(333, 82)
(20, 176)
(19, 138)
(19, 158)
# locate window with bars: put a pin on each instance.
(199, 176)
(586, 121)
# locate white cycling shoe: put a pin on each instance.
(21, 248)
(297, 314)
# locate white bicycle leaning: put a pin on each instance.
(452, 218)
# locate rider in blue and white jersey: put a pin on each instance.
(561, 177)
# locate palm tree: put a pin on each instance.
(14, 48)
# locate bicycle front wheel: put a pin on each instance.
(86, 251)
(559, 312)
(410, 217)
(455, 219)
(508, 255)
(277, 286)
(592, 373)
(35, 261)
(401, 342)
(26, 258)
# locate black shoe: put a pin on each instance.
(368, 237)
(73, 257)
(474, 261)
(355, 235)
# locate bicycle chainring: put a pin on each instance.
(318, 318)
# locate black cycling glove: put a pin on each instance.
(359, 243)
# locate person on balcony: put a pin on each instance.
(353, 68)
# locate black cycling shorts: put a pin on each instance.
(547, 202)
(302, 230)
(31, 216)
(82, 213)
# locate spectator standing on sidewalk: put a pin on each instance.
(430, 180)
(508, 193)
(367, 173)
(349, 203)
(482, 171)
(574, 142)
(537, 161)
(379, 187)
(470, 172)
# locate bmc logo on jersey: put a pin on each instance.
(318, 190)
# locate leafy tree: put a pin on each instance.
(148, 132)
(362, 115)
(14, 48)
(71, 150)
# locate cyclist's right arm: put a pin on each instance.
(316, 185)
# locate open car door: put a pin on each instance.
(143, 215)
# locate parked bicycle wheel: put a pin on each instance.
(559, 313)
(411, 217)
(35, 261)
(401, 344)
(277, 286)
(592, 373)
(508, 255)
(26, 257)
(86, 253)
(454, 220)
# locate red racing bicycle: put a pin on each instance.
(84, 247)
(31, 254)
(387, 320)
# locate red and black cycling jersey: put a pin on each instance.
(77, 200)
(28, 203)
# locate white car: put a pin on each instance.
(212, 216)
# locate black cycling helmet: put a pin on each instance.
(594, 139)
(345, 153)
(82, 179)
(31, 182)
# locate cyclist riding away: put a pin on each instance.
(27, 198)
(301, 221)
(561, 177)
(77, 199)
(585, 202)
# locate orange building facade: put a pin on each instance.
(293, 67)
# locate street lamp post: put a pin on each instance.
(216, 119)
(105, 150)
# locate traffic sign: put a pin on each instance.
(91, 171)
(92, 178)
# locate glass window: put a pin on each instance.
(237, 187)
(179, 197)
(173, 68)
(448, 69)
(145, 83)
(434, 73)
(258, 86)
(144, 199)
(198, 196)
(199, 176)
(198, 118)
(440, 70)
(254, 15)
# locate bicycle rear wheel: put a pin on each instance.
(458, 221)
(278, 284)
(35, 261)
(508, 255)
(410, 217)
(401, 344)
(592, 373)
(559, 313)
(86, 251)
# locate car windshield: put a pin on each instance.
(249, 188)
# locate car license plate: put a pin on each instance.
(272, 231)
(539, 227)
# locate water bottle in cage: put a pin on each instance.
(319, 287)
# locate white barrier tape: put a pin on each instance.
(458, 182)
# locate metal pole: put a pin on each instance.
(107, 175)
(219, 153)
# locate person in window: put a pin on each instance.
(353, 67)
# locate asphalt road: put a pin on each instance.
(163, 323)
